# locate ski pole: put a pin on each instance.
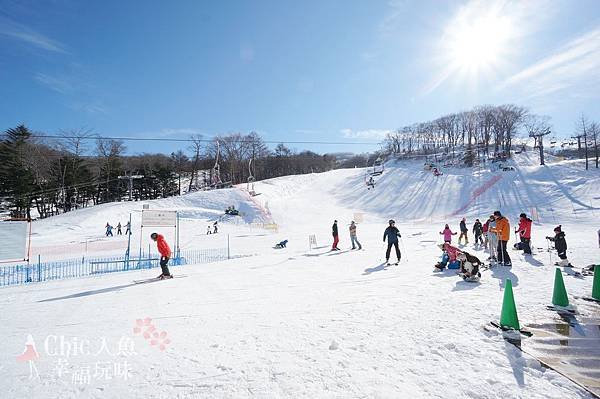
(403, 249)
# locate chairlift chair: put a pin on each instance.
(377, 167)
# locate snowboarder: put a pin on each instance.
(353, 238)
(391, 233)
(447, 233)
(502, 231)
(128, 230)
(370, 183)
(478, 232)
(208, 230)
(560, 244)
(165, 254)
(464, 231)
(281, 244)
(109, 229)
(119, 232)
(336, 238)
(524, 231)
(216, 228)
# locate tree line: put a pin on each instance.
(59, 175)
(482, 132)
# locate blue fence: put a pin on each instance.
(57, 270)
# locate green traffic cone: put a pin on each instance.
(596, 285)
(508, 315)
(559, 296)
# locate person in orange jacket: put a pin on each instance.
(502, 230)
(165, 254)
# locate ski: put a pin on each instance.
(150, 280)
(506, 329)
(561, 309)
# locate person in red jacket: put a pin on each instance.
(524, 231)
(165, 254)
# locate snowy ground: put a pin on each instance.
(311, 323)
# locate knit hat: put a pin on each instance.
(522, 215)
(558, 228)
(497, 213)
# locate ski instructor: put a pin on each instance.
(165, 254)
(392, 234)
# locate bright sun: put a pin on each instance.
(478, 42)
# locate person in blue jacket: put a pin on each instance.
(391, 233)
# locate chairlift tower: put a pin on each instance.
(130, 183)
(539, 138)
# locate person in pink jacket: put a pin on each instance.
(447, 233)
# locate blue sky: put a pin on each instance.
(342, 71)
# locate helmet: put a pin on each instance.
(154, 236)
(391, 221)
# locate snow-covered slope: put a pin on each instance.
(313, 323)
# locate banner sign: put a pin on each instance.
(13, 236)
(158, 218)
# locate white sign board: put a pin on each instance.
(158, 218)
(13, 236)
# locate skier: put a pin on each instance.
(165, 254)
(502, 231)
(478, 232)
(119, 232)
(560, 244)
(336, 238)
(492, 239)
(208, 230)
(216, 228)
(128, 231)
(392, 234)
(463, 231)
(353, 238)
(484, 229)
(109, 229)
(524, 231)
(447, 233)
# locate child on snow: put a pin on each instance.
(560, 244)
(449, 257)
(447, 233)
(109, 229)
(469, 266)
(478, 232)
(463, 231)
(353, 237)
(336, 237)
(282, 244)
(208, 230)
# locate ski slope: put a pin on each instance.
(303, 323)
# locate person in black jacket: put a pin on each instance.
(392, 234)
(336, 238)
(464, 231)
(478, 232)
(560, 244)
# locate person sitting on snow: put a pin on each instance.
(560, 244)
(469, 266)
(447, 233)
(436, 172)
(449, 257)
(282, 244)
